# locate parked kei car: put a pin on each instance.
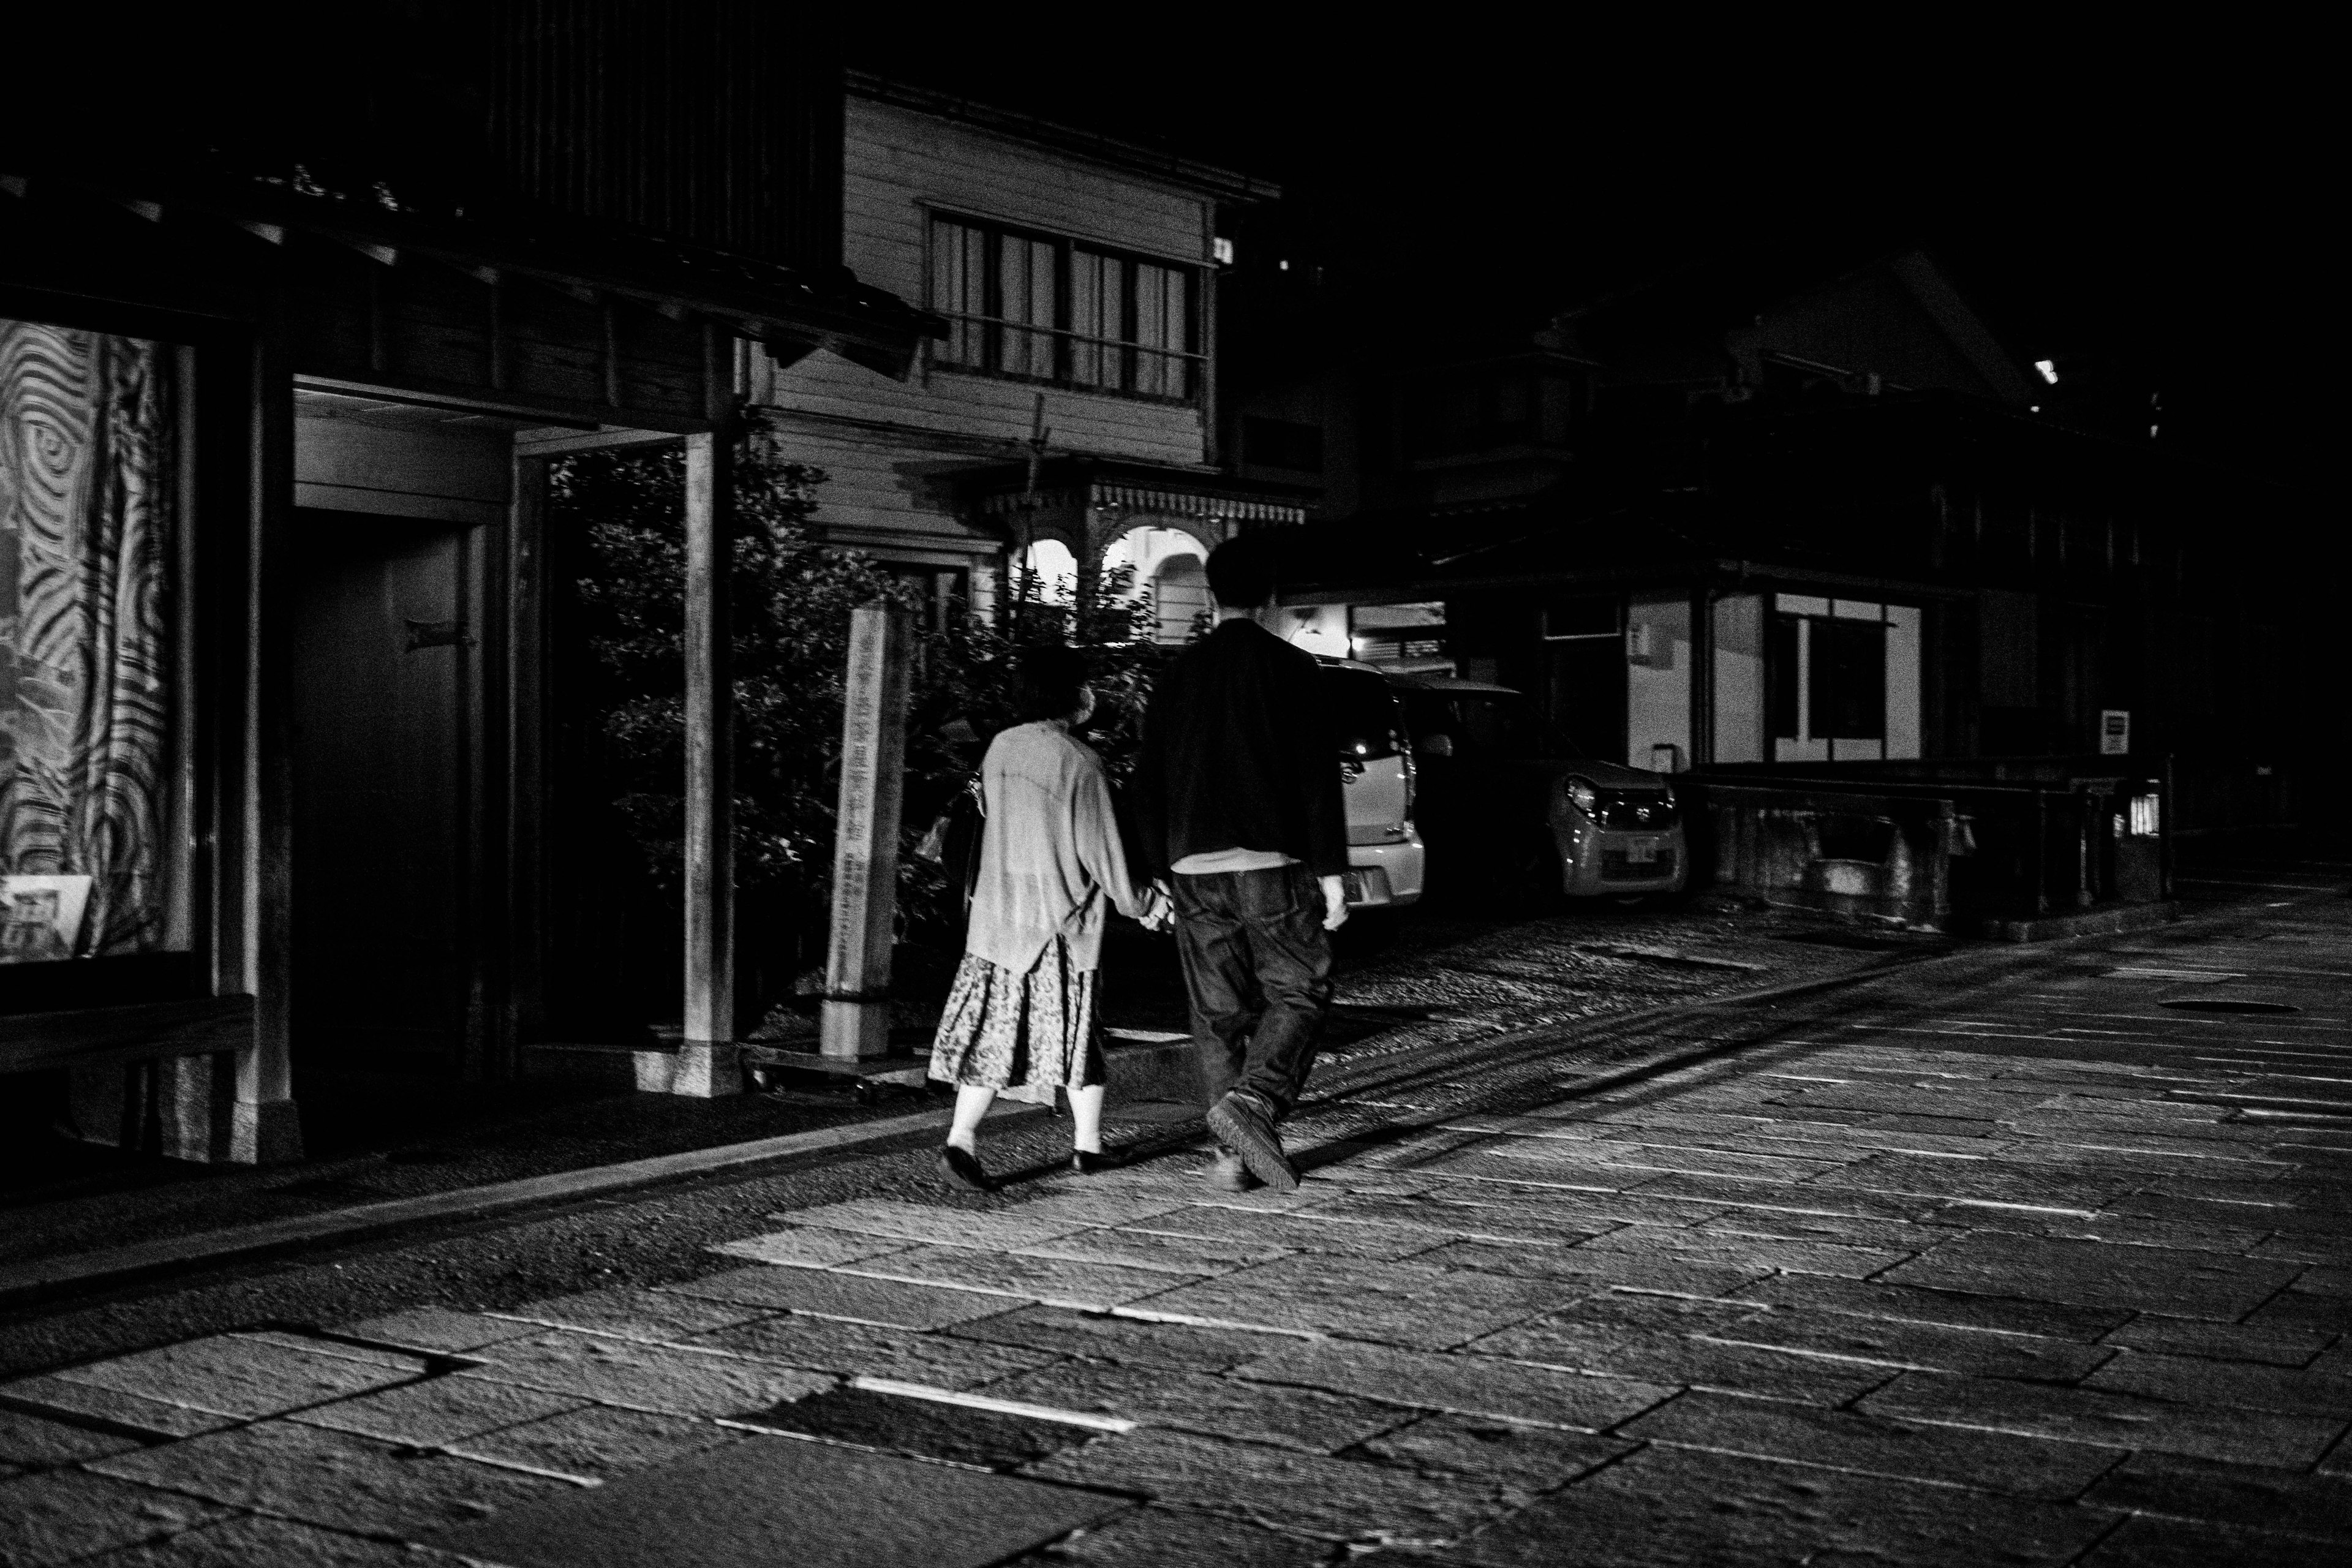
(1385, 856)
(1499, 818)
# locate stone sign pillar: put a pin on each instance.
(865, 838)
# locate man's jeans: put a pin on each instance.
(1257, 963)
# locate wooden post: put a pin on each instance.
(525, 645)
(865, 838)
(264, 1127)
(705, 1064)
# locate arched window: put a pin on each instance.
(1049, 564)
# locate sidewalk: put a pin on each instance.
(1442, 979)
(2019, 1258)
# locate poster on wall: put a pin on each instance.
(88, 516)
(40, 917)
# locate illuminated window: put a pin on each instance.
(1034, 307)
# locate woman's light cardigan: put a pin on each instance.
(1050, 859)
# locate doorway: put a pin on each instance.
(384, 712)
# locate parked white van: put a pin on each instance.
(1385, 856)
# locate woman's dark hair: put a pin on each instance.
(1045, 682)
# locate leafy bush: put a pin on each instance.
(792, 601)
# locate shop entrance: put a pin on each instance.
(384, 669)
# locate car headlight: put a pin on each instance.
(1583, 797)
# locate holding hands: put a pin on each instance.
(1159, 906)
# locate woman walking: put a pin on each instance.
(1021, 1018)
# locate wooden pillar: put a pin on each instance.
(523, 669)
(706, 1063)
(865, 833)
(257, 949)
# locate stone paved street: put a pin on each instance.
(2031, 1257)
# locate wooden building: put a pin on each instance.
(1076, 277)
(285, 349)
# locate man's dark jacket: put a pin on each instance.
(1239, 754)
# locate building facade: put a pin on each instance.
(1064, 422)
(1799, 525)
(279, 390)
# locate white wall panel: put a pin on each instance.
(1657, 693)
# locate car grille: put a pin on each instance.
(1616, 868)
(1650, 808)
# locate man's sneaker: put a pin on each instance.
(1228, 1174)
(1241, 1120)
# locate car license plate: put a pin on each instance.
(1641, 852)
(1355, 886)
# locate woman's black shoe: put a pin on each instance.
(962, 1168)
(1087, 1162)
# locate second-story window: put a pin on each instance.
(1039, 308)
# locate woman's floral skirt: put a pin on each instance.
(1022, 1034)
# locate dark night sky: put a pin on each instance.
(2148, 215)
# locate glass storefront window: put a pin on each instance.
(89, 514)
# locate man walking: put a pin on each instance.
(1237, 794)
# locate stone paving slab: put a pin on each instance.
(231, 1375)
(2286, 1501)
(1399, 1303)
(808, 1247)
(1898, 1236)
(439, 1329)
(1869, 1444)
(659, 1317)
(2225, 1342)
(438, 1410)
(1049, 1332)
(892, 1303)
(156, 1417)
(2112, 1420)
(1748, 1193)
(592, 1443)
(1316, 1421)
(334, 1480)
(2149, 1542)
(1919, 1304)
(1058, 1282)
(2175, 1283)
(2086, 1188)
(1508, 1464)
(1156, 1537)
(2115, 1229)
(1167, 1254)
(34, 1442)
(894, 1422)
(1583, 1270)
(1310, 1230)
(904, 1356)
(1692, 1361)
(1459, 1384)
(1486, 1212)
(2189, 1380)
(775, 1499)
(66, 1515)
(1758, 1253)
(2027, 1358)
(1639, 1513)
(256, 1541)
(664, 1378)
(1338, 1499)
(893, 1220)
